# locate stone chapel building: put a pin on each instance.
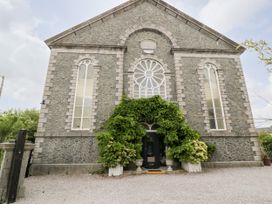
(142, 48)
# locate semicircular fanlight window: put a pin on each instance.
(149, 79)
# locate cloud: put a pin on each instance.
(190, 7)
(262, 116)
(23, 56)
(225, 16)
(261, 101)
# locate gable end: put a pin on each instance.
(202, 28)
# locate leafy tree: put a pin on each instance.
(263, 49)
(12, 121)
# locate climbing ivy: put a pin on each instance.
(125, 128)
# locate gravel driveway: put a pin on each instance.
(230, 186)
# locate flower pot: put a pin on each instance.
(191, 168)
(139, 163)
(116, 171)
(267, 162)
(169, 164)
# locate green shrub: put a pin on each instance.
(121, 142)
(266, 144)
(125, 129)
(12, 121)
(192, 151)
(113, 153)
(211, 149)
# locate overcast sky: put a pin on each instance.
(25, 24)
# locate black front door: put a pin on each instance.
(151, 151)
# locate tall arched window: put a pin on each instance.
(149, 79)
(83, 96)
(213, 97)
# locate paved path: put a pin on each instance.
(213, 186)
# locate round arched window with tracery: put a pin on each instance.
(149, 79)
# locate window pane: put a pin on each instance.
(90, 72)
(76, 123)
(89, 88)
(79, 101)
(83, 96)
(218, 112)
(220, 123)
(210, 103)
(212, 124)
(78, 112)
(218, 108)
(80, 85)
(79, 97)
(149, 76)
(212, 93)
(80, 88)
(87, 111)
(88, 101)
(217, 100)
(207, 87)
(157, 91)
(82, 71)
(86, 123)
(211, 112)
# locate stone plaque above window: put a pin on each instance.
(148, 46)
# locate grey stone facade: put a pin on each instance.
(112, 41)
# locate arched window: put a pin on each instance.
(213, 97)
(149, 79)
(83, 96)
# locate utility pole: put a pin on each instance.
(2, 78)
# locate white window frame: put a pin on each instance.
(88, 66)
(163, 83)
(208, 67)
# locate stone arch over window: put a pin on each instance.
(150, 27)
(213, 97)
(149, 79)
(84, 98)
(160, 53)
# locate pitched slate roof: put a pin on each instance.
(160, 3)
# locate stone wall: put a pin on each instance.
(234, 99)
(8, 149)
(62, 96)
(56, 142)
(231, 148)
(114, 46)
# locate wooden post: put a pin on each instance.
(16, 167)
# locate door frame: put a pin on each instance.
(151, 133)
